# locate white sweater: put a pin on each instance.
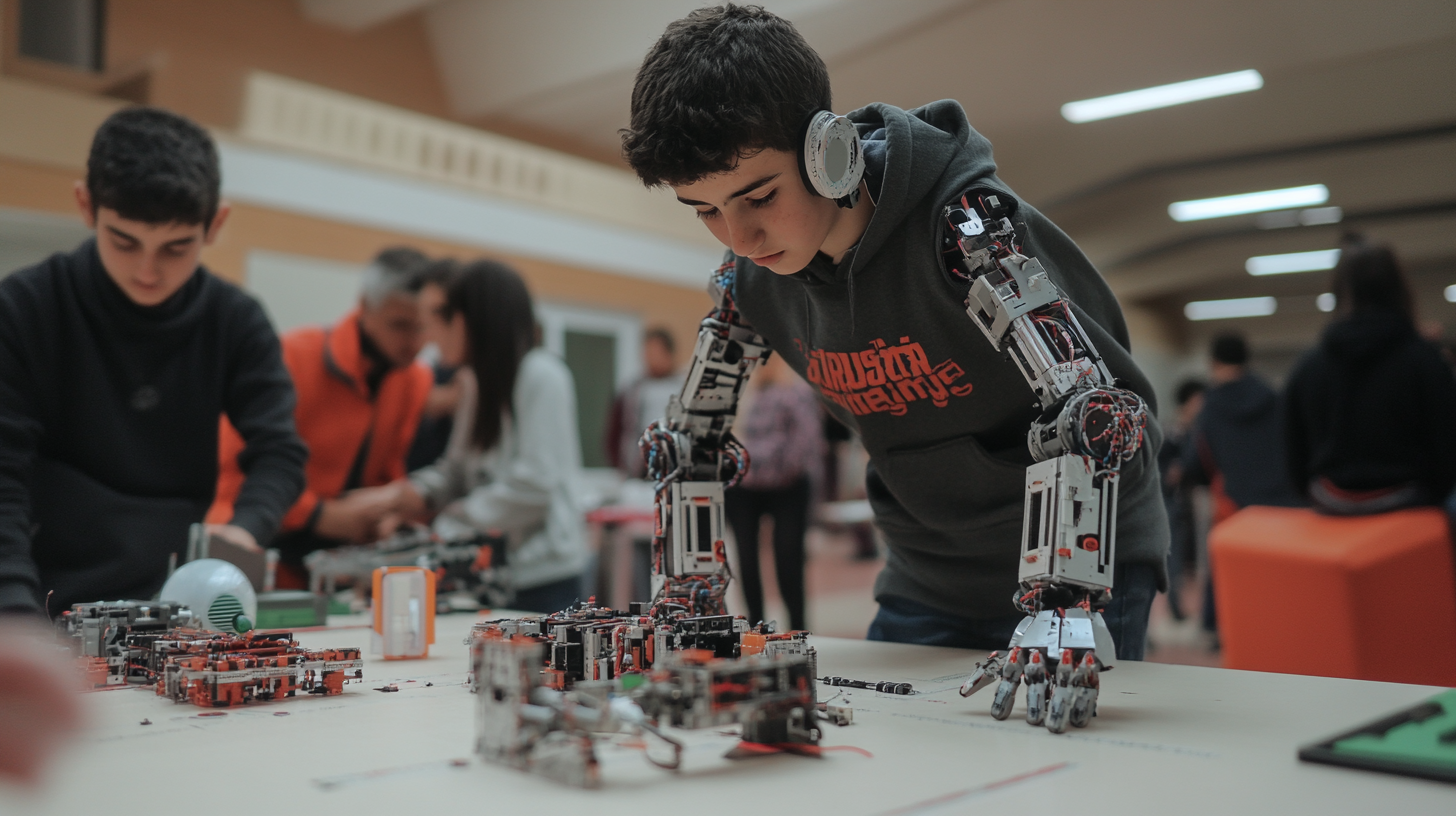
(528, 486)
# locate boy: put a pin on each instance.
(115, 362)
(855, 295)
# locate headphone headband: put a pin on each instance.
(831, 160)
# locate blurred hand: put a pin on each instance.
(235, 535)
(40, 701)
(388, 526)
(353, 516)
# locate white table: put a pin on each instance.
(1169, 740)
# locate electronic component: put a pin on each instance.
(882, 686)
(98, 633)
(217, 669)
(470, 565)
(1087, 429)
(525, 724)
(404, 612)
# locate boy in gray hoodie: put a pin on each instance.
(857, 296)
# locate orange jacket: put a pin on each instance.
(334, 415)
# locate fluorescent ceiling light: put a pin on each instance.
(1292, 262)
(1162, 96)
(1235, 307)
(1451, 294)
(1326, 301)
(1223, 206)
(1299, 218)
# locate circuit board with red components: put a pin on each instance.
(211, 669)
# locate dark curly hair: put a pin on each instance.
(720, 83)
(154, 166)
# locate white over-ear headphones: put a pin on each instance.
(832, 161)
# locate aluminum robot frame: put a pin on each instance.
(692, 457)
(1087, 429)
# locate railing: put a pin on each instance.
(299, 116)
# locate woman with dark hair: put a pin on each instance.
(513, 462)
(1370, 413)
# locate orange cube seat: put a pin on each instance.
(1368, 597)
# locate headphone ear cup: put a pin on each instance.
(832, 159)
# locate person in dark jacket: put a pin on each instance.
(1237, 444)
(115, 362)
(1370, 413)
(858, 300)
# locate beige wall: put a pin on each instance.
(203, 50)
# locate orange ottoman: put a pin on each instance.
(1368, 597)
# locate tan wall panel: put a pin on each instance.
(207, 47)
(35, 187)
(249, 228)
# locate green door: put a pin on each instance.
(592, 359)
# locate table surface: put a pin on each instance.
(1168, 739)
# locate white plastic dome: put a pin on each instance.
(219, 594)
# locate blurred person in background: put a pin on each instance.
(360, 394)
(1177, 497)
(513, 463)
(639, 404)
(1237, 444)
(642, 402)
(780, 426)
(1370, 412)
(437, 418)
(115, 362)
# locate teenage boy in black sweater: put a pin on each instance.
(857, 298)
(115, 362)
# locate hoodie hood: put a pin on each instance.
(908, 155)
(1364, 338)
(1247, 399)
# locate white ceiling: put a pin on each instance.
(1335, 71)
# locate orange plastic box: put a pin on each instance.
(1369, 598)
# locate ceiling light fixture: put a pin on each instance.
(1325, 302)
(1292, 262)
(1451, 294)
(1234, 307)
(1263, 201)
(1312, 217)
(1161, 96)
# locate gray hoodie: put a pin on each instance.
(885, 339)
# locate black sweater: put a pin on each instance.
(108, 427)
(1373, 406)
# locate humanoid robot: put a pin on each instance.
(1088, 428)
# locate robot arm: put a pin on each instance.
(692, 456)
(1087, 429)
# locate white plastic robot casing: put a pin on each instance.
(218, 593)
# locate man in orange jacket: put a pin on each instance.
(360, 394)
